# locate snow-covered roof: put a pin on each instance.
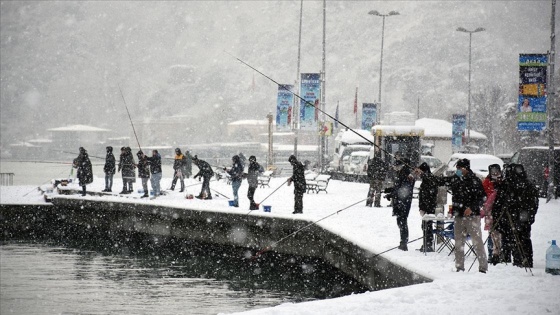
(23, 144)
(347, 136)
(40, 141)
(390, 130)
(80, 128)
(437, 128)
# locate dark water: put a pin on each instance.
(138, 274)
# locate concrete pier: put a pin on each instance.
(252, 231)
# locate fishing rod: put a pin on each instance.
(129, 118)
(258, 204)
(269, 247)
(97, 157)
(44, 162)
(393, 248)
(307, 103)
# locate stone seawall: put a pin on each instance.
(253, 231)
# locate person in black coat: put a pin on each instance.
(143, 171)
(84, 169)
(520, 200)
(109, 169)
(298, 178)
(376, 172)
(468, 195)
(401, 194)
(205, 172)
(427, 202)
(126, 166)
(253, 179)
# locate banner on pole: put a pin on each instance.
(531, 103)
(459, 125)
(284, 106)
(310, 93)
(369, 115)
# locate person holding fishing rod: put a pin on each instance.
(298, 178)
(155, 168)
(84, 172)
(236, 173)
(253, 179)
(179, 166)
(126, 165)
(401, 195)
(205, 172)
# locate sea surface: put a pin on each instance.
(44, 272)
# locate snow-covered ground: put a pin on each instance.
(505, 289)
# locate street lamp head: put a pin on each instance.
(374, 12)
(393, 13)
(462, 29)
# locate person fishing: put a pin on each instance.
(298, 178)
(253, 179)
(205, 172)
(84, 169)
(236, 174)
(179, 167)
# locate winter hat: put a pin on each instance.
(494, 167)
(252, 158)
(140, 153)
(109, 149)
(292, 158)
(195, 158)
(463, 163)
(82, 150)
(424, 167)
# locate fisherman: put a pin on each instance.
(298, 178)
(109, 169)
(84, 172)
(205, 172)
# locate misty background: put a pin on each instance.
(62, 62)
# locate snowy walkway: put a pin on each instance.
(503, 290)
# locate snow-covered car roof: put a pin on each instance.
(479, 162)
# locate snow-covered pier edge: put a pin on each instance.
(252, 231)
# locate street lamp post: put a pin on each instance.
(461, 29)
(375, 12)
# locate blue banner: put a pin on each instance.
(369, 115)
(458, 128)
(531, 103)
(310, 93)
(284, 105)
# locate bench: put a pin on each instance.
(322, 183)
(264, 179)
(311, 184)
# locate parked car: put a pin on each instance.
(535, 161)
(358, 162)
(506, 157)
(479, 163)
(433, 162)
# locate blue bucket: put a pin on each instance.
(267, 208)
(231, 203)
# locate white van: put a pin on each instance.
(358, 162)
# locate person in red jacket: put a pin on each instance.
(491, 185)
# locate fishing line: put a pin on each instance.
(129, 118)
(258, 204)
(269, 247)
